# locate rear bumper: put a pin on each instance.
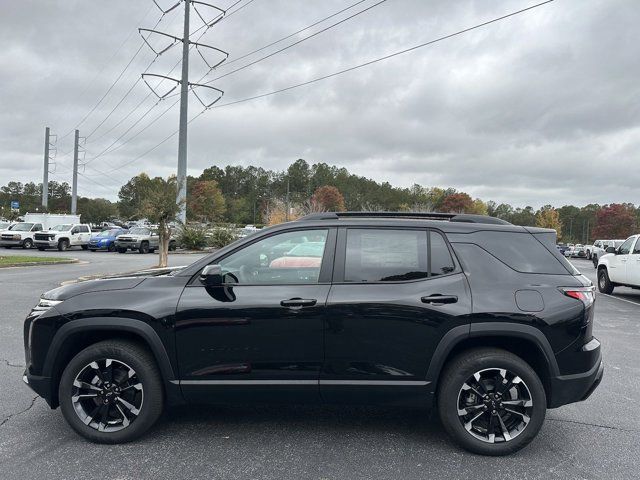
(577, 387)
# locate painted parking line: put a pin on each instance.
(618, 298)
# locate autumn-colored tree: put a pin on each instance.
(617, 220)
(548, 217)
(206, 201)
(277, 212)
(479, 207)
(457, 203)
(329, 198)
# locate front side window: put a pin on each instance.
(625, 248)
(285, 258)
(385, 255)
(636, 249)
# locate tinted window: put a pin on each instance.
(291, 257)
(520, 251)
(385, 255)
(441, 260)
(625, 248)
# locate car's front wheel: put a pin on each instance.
(491, 401)
(604, 283)
(111, 392)
(28, 243)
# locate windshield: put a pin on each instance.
(61, 228)
(4, 225)
(108, 233)
(22, 227)
(139, 231)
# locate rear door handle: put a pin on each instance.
(299, 302)
(438, 299)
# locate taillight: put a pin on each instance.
(586, 295)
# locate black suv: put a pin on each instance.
(483, 320)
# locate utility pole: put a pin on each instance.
(206, 52)
(74, 186)
(182, 132)
(45, 175)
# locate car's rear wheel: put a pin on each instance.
(111, 392)
(604, 283)
(144, 247)
(111, 247)
(28, 243)
(63, 245)
(491, 401)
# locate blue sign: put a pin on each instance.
(15, 205)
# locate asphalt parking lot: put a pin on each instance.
(593, 439)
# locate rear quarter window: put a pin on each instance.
(520, 251)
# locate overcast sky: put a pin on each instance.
(543, 107)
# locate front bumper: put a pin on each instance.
(10, 243)
(40, 385)
(577, 387)
(131, 245)
(45, 243)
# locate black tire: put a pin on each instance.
(7, 247)
(144, 247)
(63, 245)
(594, 259)
(456, 376)
(41, 249)
(84, 247)
(28, 243)
(125, 353)
(122, 250)
(111, 248)
(604, 284)
(92, 249)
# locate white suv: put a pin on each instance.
(620, 266)
(19, 235)
(64, 236)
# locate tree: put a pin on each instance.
(329, 198)
(206, 201)
(457, 203)
(158, 204)
(617, 220)
(548, 217)
(132, 194)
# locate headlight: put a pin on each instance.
(17, 237)
(43, 306)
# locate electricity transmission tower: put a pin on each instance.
(212, 57)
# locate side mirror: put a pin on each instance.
(211, 276)
(611, 250)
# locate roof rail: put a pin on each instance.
(452, 217)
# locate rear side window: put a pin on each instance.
(395, 255)
(520, 251)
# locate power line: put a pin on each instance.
(113, 84)
(234, 60)
(334, 74)
(298, 42)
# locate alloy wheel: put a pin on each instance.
(107, 395)
(494, 405)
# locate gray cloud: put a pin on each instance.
(540, 108)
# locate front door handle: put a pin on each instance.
(438, 299)
(299, 302)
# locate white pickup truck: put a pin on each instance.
(64, 236)
(620, 266)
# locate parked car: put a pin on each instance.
(64, 236)
(577, 251)
(600, 247)
(384, 317)
(620, 266)
(20, 234)
(142, 239)
(106, 239)
(562, 248)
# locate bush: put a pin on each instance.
(221, 237)
(192, 237)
